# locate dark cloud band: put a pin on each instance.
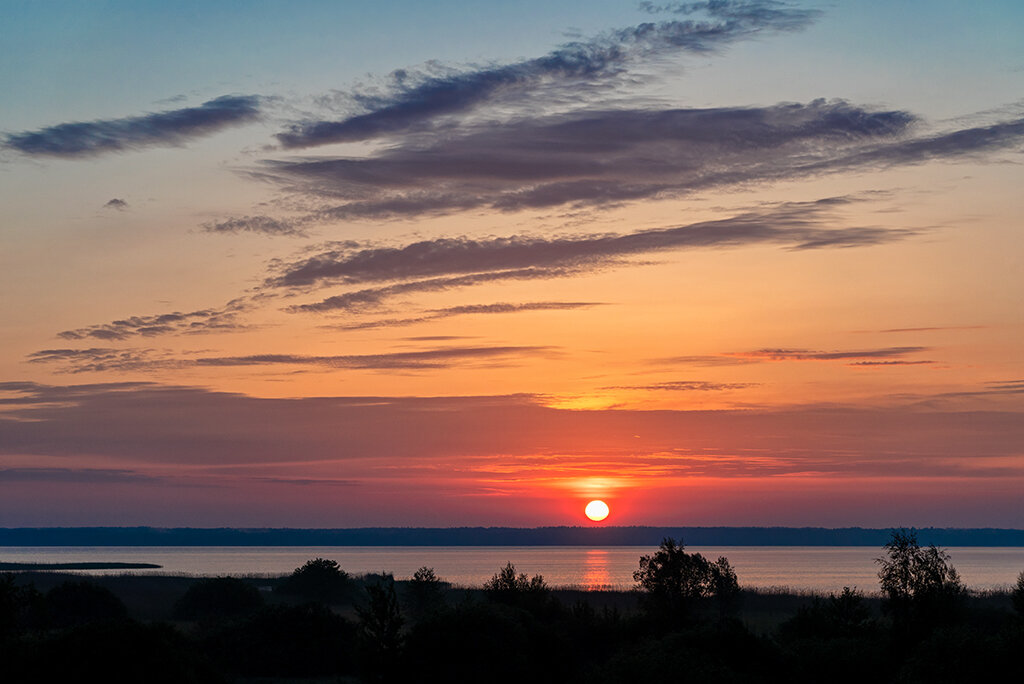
(160, 129)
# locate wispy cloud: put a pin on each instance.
(591, 158)
(97, 359)
(413, 360)
(128, 424)
(882, 356)
(466, 310)
(448, 263)
(686, 386)
(76, 475)
(415, 99)
(255, 224)
(159, 129)
(810, 355)
(116, 203)
(223, 319)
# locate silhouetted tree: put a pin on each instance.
(516, 589)
(380, 629)
(426, 591)
(724, 586)
(919, 584)
(1017, 595)
(318, 580)
(216, 597)
(674, 580)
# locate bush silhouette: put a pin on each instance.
(285, 641)
(21, 607)
(218, 597)
(842, 615)
(79, 602)
(116, 652)
(319, 580)
(517, 589)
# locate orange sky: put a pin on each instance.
(713, 265)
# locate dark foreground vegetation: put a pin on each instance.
(687, 621)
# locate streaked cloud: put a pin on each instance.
(686, 386)
(466, 310)
(100, 359)
(159, 129)
(590, 158)
(468, 435)
(448, 263)
(413, 360)
(222, 319)
(96, 359)
(254, 224)
(413, 100)
(75, 475)
(810, 355)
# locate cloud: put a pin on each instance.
(928, 329)
(223, 319)
(414, 360)
(884, 356)
(800, 225)
(77, 475)
(891, 363)
(116, 203)
(686, 386)
(809, 355)
(254, 224)
(447, 263)
(591, 158)
(97, 359)
(370, 298)
(383, 437)
(469, 309)
(415, 99)
(160, 129)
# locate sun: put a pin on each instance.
(596, 510)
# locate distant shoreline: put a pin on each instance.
(25, 567)
(497, 536)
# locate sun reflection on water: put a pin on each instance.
(596, 575)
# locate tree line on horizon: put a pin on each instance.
(687, 620)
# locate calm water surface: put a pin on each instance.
(814, 568)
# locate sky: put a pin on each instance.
(325, 264)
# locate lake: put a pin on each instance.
(802, 568)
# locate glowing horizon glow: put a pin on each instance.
(485, 270)
(597, 510)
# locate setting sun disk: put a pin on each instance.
(596, 510)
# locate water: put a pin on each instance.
(804, 568)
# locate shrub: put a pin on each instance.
(319, 580)
(218, 597)
(79, 603)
